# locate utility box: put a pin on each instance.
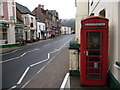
(74, 58)
(94, 51)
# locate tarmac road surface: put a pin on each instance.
(21, 65)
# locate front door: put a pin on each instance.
(94, 54)
(92, 57)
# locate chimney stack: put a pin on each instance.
(47, 12)
(41, 6)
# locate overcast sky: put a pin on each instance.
(65, 8)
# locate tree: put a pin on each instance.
(69, 23)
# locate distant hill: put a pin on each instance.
(69, 23)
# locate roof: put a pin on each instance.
(23, 9)
(52, 11)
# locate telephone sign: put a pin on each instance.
(94, 24)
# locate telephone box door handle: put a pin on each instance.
(86, 52)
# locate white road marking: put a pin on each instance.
(12, 87)
(25, 84)
(12, 58)
(37, 49)
(14, 51)
(30, 51)
(5, 53)
(19, 49)
(48, 55)
(47, 45)
(39, 70)
(43, 60)
(18, 56)
(20, 80)
(22, 54)
(64, 82)
(8, 53)
(38, 62)
(56, 42)
(47, 63)
(34, 50)
(65, 44)
(9, 60)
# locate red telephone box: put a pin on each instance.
(94, 51)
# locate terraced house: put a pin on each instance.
(50, 18)
(7, 21)
(29, 20)
(18, 23)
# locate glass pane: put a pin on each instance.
(94, 58)
(93, 71)
(93, 76)
(94, 52)
(94, 34)
(94, 65)
(95, 40)
(94, 37)
(93, 46)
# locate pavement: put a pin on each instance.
(75, 84)
(5, 50)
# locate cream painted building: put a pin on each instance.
(7, 21)
(66, 30)
(40, 30)
(30, 27)
(29, 20)
(81, 12)
(109, 9)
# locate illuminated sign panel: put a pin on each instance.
(95, 24)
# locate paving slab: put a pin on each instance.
(75, 85)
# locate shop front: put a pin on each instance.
(3, 33)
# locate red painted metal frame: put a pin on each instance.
(103, 52)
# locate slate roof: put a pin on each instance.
(23, 9)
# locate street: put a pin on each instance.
(20, 65)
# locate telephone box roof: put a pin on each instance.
(94, 17)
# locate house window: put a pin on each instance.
(31, 19)
(43, 27)
(91, 2)
(39, 27)
(4, 31)
(31, 24)
(26, 20)
(0, 9)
